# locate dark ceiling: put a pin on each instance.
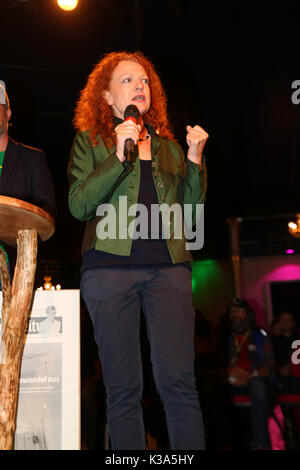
(226, 65)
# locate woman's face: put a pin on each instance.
(129, 84)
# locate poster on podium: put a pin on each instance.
(48, 415)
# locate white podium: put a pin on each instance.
(48, 416)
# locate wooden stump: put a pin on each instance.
(234, 227)
(16, 305)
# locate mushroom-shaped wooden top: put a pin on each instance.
(16, 215)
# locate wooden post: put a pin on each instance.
(234, 228)
(16, 306)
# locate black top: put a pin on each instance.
(148, 251)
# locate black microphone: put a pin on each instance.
(131, 112)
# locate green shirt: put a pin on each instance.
(2, 153)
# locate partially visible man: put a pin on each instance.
(24, 173)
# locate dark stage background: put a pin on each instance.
(226, 65)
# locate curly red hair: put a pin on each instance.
(92, 112)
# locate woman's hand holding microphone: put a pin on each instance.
(126, 130)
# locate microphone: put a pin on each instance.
(131, 112)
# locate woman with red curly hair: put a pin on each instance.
(132, 264)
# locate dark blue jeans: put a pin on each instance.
(258, 389)
(114, 298)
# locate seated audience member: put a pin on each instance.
(251, 364)
(275, 328)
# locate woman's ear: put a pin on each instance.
(108, 97)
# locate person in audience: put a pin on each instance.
(250, 367)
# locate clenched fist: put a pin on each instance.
(196, 139)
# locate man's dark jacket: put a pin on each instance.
(25, 175)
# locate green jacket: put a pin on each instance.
(97, 176)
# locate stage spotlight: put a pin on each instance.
(294, 227)
(67, 5)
